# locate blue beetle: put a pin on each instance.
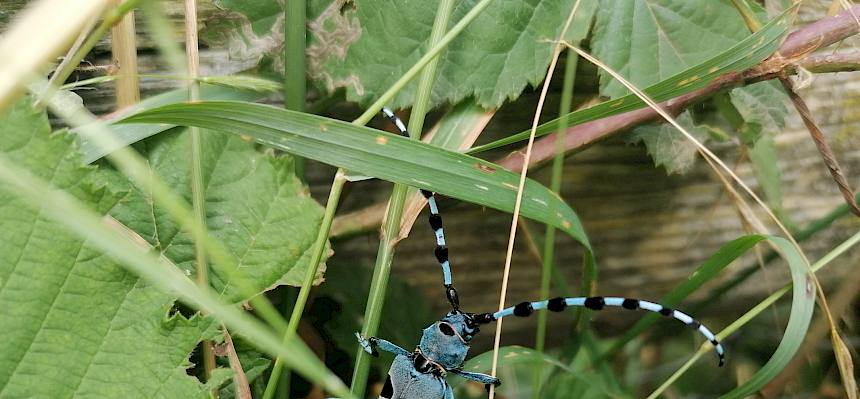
(421, 373)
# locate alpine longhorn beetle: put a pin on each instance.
(421, 373)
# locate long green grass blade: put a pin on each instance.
(374, 153)
(131, 133)
(746, 54)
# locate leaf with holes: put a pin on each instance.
(647, 41)
(74, 323)
(366, 46)
(390, 42)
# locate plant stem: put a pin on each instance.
(295, 83)
(124, 50)
(308, 282)
(110, 19)
(548, 257)
(198, 201)
(295, 94)
(391, 225)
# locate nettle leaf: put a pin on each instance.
(668, 146)
(366, 46)
(650, 40)
(254, 204)
(75, 323)
(507, 47)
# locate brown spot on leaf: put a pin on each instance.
(381, 140)
(485, 168)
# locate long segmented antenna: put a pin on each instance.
(441, 250)
(525, 309)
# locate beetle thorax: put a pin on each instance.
(447, 341)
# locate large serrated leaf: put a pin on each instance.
(366, 46)
(651, 40)
(745, 54)
(254, 203)
(74, 323)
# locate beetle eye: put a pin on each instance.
(446, 329)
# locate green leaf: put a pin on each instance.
(131, 133)
(668, 146)
(378, 154)
(254, 204)
(743, 55)
(519, 361)
(763, 107)
(354, 45)
(802, 305)
(647, 41)
(763, 104)
(74, 323)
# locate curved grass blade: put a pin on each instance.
(746, 54)
(375, 153)
(802, 305)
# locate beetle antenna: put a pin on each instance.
(441, 251)
(525, 309)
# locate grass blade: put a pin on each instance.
(374, 153)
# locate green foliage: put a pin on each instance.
(744, 54)
(254, 204)
(347, 285)
(72, 315)
(75, 324)
(378, 154)
(762, 108)
(651, 40)
(360, 48)
(668, 146)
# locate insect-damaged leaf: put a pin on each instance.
(74, 323)
(365, 46)
(74, 317)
